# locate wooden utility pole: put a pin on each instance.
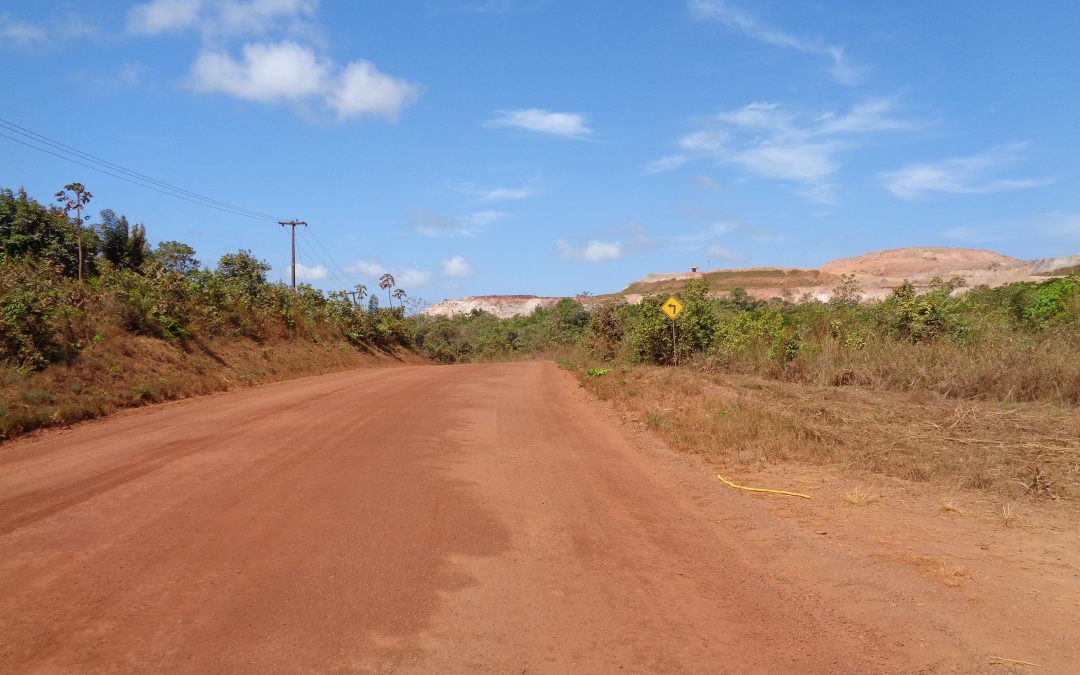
(293, 223)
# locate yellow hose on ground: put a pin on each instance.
(725, 481)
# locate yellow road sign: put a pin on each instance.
(672, 307)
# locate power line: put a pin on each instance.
(331, 268)
(34, 140)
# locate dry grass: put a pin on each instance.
(1016, 367)
(125, 371)
(950, 506)
(942, 569)
(1009, 517)
(860, 497)
(728, 280)
(1024, 450)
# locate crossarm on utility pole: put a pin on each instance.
(293, 223)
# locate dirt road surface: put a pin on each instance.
(486, 518)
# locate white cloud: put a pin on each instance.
(493, 193)
(14, 32)
(273, 71)
(841, 70)
(289, 72)
(797, 162)
(219, 19)
(669, 163)
(403, 276)
(314, 273)
(764, 139)
(961, 175)
(363, 90)
(431, 224)
(407, 276)
(259, 16)
(704, 141)
(457, 267)
(161, 16)
(569, 125)
(20, 32)
(268, 73)
(365, 268)
(592, 252)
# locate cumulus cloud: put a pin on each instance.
(841, 69)
(403, 276)
(362, 90)
(567, 125)
(161, 16)
(431, 224)
(961, 175)
(668, 163)
(366, 268)
(265, 72)
(610, 244)
(766, 140)
(592, 252)
(268, 71)
(407, 276)
(457, 267)
(289, 72)
(313, 273)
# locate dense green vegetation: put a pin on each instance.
(47, 315)
(1016, 342)
(66, 326)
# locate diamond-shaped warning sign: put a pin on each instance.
(672, 307)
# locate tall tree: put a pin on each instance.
(75, 197)
(399, 295)
(359, 292)
(28, 227)
(176, 257)
(387, 281)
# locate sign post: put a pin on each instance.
(672, 307)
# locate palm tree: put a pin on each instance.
(399, 294)
(74, 197)
(387, 281)
(360, 291)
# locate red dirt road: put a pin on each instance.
(422, 519)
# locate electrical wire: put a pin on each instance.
(341, 275)
(60, 150)
(331, 268)
(34, 140)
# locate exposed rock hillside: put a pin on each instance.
(878, 273)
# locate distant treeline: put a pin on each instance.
(1015, 342)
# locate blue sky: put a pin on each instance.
(554, 147)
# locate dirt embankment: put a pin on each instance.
(126, 371)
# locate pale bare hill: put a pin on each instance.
(502, 306)
(878, 273)
(921, 261)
